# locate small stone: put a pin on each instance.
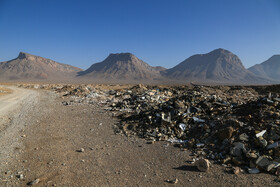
(236, 170)
(174, 181)
(238, 150)
(262, 142)
(276, 144)
(225, 133)
(81, 150)
(150, 142)
(36, 181)
(20, 176)
(237, 161)
(263, 162)
(243, 137)
(251, 155)
(202, 165)
(277, 173)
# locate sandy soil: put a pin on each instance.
(41, 138)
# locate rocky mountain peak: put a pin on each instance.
(219, 65)
(23, 55)
(220, 50)
(274, 58)
(122, 66)
(121, 57)
(31, 67)
(269, 69)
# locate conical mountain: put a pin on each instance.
(32, 68)
(122, 67)
(269, 69)
(217, 66)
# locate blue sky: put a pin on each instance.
(160, 32)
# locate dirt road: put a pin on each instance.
(40, 139)
(9, 101)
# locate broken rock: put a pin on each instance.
(225, 133)
(36, 181)
(202, 165)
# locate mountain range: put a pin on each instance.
(219, 66)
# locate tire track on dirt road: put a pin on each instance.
(14, 109)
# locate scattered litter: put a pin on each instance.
(198, 120)
(182, 126)
(253, 170)
(260, 133)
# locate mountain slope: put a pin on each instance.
(218, 66)
(122, 66)
(31, 67)
(269, 69)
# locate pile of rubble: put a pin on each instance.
(244, 132)
(229, 125)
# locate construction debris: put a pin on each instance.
(228, 125)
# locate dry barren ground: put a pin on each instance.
(40, 137)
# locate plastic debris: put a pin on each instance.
(253, 170)
(260, 133)
(182, 126)
(198, 120)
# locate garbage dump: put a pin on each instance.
(230, 125)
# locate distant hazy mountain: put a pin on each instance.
(122, 67)
(269, 69)
(218, 66)
(33, 68)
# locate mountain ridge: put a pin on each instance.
(31, 67)
(122, 66)
(269, 69)
(217, 66)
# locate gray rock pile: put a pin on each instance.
(228, 125)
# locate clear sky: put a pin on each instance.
(160, 32)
